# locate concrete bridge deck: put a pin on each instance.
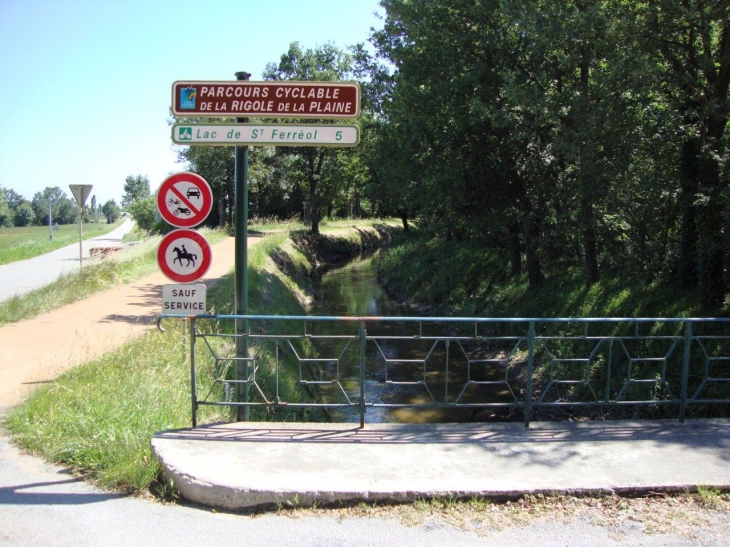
(239, 466)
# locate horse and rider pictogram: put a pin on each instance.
(183, 254)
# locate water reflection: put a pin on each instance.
(412, 371)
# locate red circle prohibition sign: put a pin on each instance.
(184, 256)
(184, 199)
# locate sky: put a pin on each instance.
(86, 85)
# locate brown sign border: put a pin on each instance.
(269, 105)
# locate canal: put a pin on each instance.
(352, 289)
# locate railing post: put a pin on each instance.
(685, 370)
(609, 366)
(193, 380)
(362, 374)
(530, 367)
(446, 379)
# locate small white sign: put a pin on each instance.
(266, 134)
(184, 299)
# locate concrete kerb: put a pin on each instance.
(245, 466)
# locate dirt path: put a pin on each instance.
(36, 351)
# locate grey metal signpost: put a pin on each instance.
(81, 193)
(241, 265)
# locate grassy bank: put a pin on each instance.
(449, 278)
(30, 241)
(99, 417)
(124, 266)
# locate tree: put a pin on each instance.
(111, 210)
(14, 199)
(324, 63)
(6, 213)
(691, 42)
(144, 212)
(524, 126)
(135, 187)
(60, 206)
(24, 216)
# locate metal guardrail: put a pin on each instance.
(356, 364)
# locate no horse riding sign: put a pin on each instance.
(184, 256)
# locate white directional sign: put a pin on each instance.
(266, 134)
(185, 299)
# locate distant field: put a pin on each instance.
(23, 243)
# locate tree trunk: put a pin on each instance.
(313, 206)
(688, 170)
(589, 239)
(587, 181)
(316, 159)
(404, 219)
(532, 258)
(515, 250)
(709, 229)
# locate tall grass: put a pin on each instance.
(468, 280)
(99, 417)
(27, 242)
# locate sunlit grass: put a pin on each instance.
(123, 266)
(30, 241)
(468, 280)
(99, 417)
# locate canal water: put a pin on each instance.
(352, 289)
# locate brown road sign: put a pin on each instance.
(323, 100)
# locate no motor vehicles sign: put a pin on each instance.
(184, 199)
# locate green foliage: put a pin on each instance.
(63, 210)
(587, 134)
(467, 279)
(24, 216)
(315, 167)
(144, 212)
(135, 187)
(111, 211)
(6, 213)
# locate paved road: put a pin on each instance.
(43, 505)
(23, 276)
